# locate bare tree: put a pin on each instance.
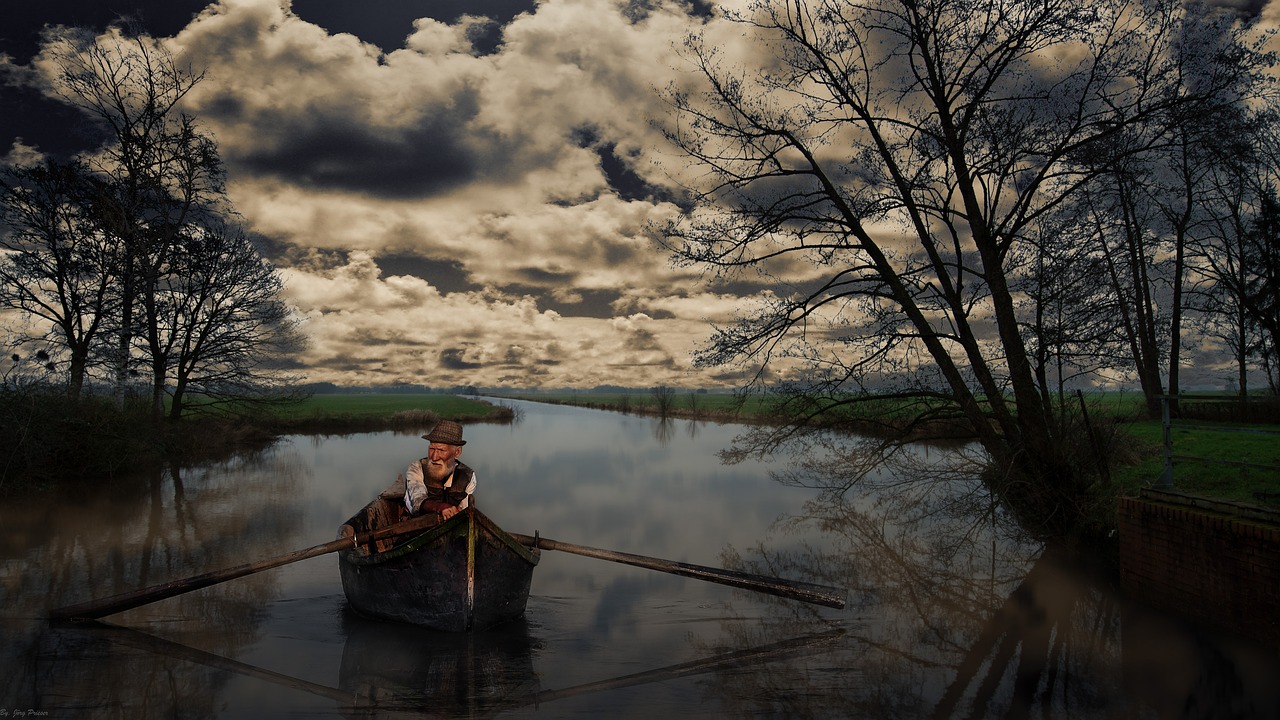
(1070, 309)
(223, 330)
(1139, 271)
(1262, 290)
(181, 289)
(909, 151)
(57, 267)
(1154, 211)
(155, 171)
(664, 399)
(1246, 273)
(1230, 258)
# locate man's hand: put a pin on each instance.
(446, 510)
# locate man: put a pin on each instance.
(439, 482)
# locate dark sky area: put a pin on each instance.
(45, 124)
(384, 23)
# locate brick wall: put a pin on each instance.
(1211, 561)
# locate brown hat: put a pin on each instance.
(447, 432)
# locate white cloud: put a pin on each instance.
(486, 162)
(367, 328)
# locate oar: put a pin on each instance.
(125, 601)
(152, 644)
(350, 700)
(793, 589)
(734, 659)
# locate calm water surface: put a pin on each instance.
(949, 615)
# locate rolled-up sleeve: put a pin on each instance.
(415, 490)
(471, 490)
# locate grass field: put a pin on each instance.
(383, 405)
(373, 412)
(713, 404)
(1217, 470)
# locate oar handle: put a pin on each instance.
(94, 609)
(793, 589)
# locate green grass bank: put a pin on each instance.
(372, 412)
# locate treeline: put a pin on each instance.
(124, 267)
(126, 262)
(975, 212)
(328, 388)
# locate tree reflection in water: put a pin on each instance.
(167, 524)
(957, 613)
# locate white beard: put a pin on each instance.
(438, 473)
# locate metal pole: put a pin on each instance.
(1166, 477)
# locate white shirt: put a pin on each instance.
(415, 488)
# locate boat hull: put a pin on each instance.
(464, 574)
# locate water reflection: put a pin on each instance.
(387, 667)
(165, 524)
(960, 615)
(952, 611)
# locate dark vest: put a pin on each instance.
(453, 495)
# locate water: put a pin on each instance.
(949, 615)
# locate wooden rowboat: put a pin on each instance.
(463, 574)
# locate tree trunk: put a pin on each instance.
(157, 392)
(75, 379)
(176, 402)
(123, 345)
(1126, 266)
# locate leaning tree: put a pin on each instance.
(890, 164)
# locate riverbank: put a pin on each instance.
(48, 439)
(342, 414)
(44, 436)
(1218, 459)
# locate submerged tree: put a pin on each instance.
(910, 152)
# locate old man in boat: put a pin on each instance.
(437, 485)
(456, 570)
(440, 482)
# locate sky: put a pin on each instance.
(458, 192)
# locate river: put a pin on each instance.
(951, 612)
